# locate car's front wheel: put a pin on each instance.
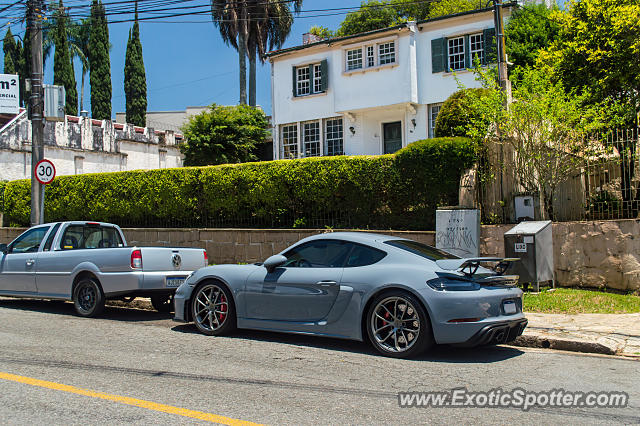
(88, 299)
(398, 326)
(212, 309)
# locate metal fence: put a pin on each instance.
(605, 184)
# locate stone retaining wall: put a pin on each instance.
(589, 254)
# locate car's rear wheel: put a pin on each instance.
(212, 309)
(398, 326)
(88, 299)
(162, 303)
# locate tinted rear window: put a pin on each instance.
(363, 256)
(420, 249)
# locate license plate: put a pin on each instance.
(509, 307)
(175, 281)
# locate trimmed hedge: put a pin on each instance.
(399, 191)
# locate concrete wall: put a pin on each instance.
(80, 145)
(590, 254)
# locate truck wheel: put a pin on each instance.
(88, 298)
(162, 303)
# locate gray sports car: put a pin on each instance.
(401, 295)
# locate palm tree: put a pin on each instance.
(230, 18)
(79, 46)
(253, 27)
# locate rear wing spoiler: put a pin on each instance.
(469, 266)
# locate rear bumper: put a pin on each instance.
(496, 333)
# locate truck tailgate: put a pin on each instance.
(157, 259)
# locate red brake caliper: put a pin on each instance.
(223, 308)
(386, 316)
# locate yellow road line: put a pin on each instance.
(129, 401)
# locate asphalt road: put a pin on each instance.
(135, 366)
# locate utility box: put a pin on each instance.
(525, 207)
(54, 102)
(532, 243)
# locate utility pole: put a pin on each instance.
(36, 106)
(503, 78)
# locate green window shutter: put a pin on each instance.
(438, 55)
(468, 61)
(324, 68)
(490, 46)
(295, 75)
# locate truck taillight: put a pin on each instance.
(206, 258)
(136, 259)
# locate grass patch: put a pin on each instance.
(575, 301)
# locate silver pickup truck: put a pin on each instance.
(89, 262)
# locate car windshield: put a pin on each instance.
(420, 249)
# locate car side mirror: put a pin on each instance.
(3, 248)
(274, 261)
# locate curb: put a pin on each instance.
(547, 342)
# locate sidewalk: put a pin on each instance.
(612, 334)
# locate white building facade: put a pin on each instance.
(376, 92)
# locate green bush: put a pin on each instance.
(3, 184)
(458, 115)
(399, 191)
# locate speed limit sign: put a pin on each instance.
(45, 172)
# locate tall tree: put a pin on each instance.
(135, 83)
(598, 52)
(251, 26)
(63, 73)
(99, 63)
(79, 45)
(10, 50)
(269, 25)
(528, 31)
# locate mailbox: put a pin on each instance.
(532, 243)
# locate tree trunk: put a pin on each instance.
(252, 79)
(242, 53)
(82, 92)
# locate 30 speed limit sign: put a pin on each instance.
(45, 172)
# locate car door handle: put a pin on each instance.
(30, 262)
(326, 283)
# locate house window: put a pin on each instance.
(387, 53)
(334, 136)
(311, 135)
(303, 81)
(371, 60)
(476, 42)
(289, 134)
(354, 59)
(434, 109)
(317, 79)
(456, 53)
(310, 79)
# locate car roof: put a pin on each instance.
(358, 237)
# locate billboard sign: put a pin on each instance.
(9, 94)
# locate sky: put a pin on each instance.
(188, 64)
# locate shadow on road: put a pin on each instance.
(440, 353)
(60, 307)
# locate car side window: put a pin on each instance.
(110, 238)
(362, 255)
(318, 254)
(52, 234)
(29, 242)
(73, 238)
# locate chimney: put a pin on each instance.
(308, 38)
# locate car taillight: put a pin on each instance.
(136, 259)
(206, 258)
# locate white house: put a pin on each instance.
(375, 92)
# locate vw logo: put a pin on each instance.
(176, 260)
